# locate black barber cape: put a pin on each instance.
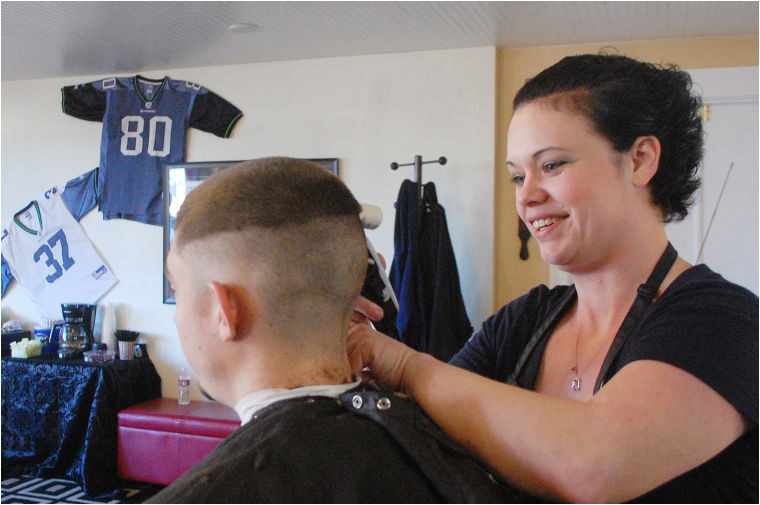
(432, 317)
(366, 447)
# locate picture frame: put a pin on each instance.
(181, 178)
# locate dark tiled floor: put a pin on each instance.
(26, 489)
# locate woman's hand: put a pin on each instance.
(366, 311)
(385, 358)
(374, 352)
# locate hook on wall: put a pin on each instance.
(418, 169)
(524, 233)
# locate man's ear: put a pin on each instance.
(227, 310)
(645, 154)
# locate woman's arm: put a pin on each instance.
(650, 423)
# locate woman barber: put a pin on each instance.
(605, 390)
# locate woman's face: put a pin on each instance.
(570, 188)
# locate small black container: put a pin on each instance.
(126, 335)
(141, 351)
(13, 336)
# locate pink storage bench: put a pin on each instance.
(160, 440)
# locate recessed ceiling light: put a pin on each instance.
(242, 27)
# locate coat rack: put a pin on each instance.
(418, 170)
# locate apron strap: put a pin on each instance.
(543, 331)
(646, 294)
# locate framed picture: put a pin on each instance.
(179, 179)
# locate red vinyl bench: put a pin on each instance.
(159, 440)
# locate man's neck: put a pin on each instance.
(284, 369)
(248, 406)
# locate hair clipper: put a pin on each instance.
(377, 288)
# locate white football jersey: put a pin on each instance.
(49, 253)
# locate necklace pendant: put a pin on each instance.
(575, 384)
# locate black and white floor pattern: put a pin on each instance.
(38, 490)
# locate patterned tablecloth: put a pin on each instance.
(59, 418)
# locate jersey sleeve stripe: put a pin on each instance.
(234, 121)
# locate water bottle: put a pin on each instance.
(183, 398)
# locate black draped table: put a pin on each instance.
(59, 417)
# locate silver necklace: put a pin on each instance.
(575, 383)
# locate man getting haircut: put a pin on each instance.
(267, 264)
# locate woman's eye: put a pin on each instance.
(553, 165)
(518, 178)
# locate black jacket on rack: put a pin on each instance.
(432, 317)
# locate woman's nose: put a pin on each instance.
(530, 191)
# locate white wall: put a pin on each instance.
(731, 136)
(724, 229)
(367, 110)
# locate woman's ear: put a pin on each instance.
(227, 310)
(645, 154)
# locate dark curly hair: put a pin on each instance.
(625, 99)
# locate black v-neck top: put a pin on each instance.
(702, 324)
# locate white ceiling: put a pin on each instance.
(58, 39)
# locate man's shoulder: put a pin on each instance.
(323, 449)
(447, 466)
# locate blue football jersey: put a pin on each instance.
(5, 270)
(145, 125)
(81, 194)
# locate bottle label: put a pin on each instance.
(183, 382)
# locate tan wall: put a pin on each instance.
(513, 276)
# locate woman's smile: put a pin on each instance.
(545, 223)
